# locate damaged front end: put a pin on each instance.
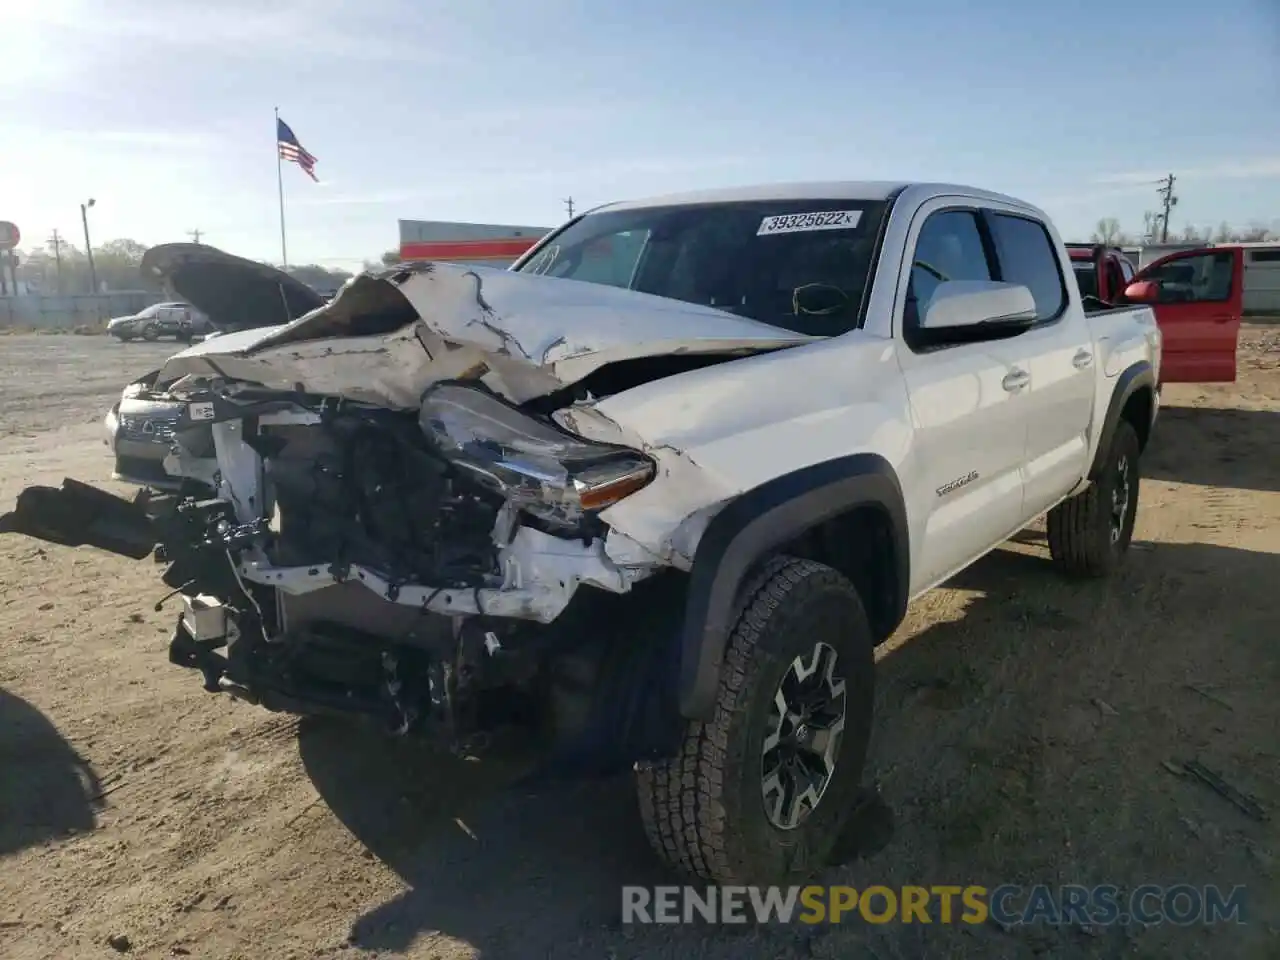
(402, 524)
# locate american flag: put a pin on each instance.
(293, 151)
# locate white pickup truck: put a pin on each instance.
(652, 496)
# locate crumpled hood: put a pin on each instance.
(390, 334)
(234, 293)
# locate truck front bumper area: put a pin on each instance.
(79, 515)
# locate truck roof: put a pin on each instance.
(869, 190)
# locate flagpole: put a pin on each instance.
(284, 250)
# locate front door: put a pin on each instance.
(1199, 302)
(967, 407)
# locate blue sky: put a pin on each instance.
(495, 111)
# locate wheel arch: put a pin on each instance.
(1132, 400)
(810, 509)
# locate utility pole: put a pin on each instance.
(1169, 200)
(56, 242)
(568, 205)
(195, 234)
(88, 247)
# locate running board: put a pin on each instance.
(78, 515)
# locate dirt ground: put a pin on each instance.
(1023, 726)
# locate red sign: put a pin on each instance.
(9, 235)
(505, 248)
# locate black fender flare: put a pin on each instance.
(753, 525)
(1136, 377)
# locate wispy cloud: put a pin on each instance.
(318, 28)
(372, 198)
(150, 139)
(1255, 169)
(122, 141)
(532, 176)
(1060, 199)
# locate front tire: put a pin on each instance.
(760, 793)
(1089, 533)
(150, 333)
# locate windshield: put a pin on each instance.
(803, 265)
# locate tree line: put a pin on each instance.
(1110, 231)
(116, 264)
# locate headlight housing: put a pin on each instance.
(534, 465)
(110, 426)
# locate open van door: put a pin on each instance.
(1198, 299)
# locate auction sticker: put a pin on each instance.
(200, 411)
(801, 222)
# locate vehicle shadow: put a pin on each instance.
(1037, 737)
(47, 790)
(1216, 447)
(990, 748)
(511, 870)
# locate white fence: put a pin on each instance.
(42, 312)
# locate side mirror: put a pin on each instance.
(1142, 291)
(977, 309)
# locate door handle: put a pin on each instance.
(1015, 380)
(1082, 359)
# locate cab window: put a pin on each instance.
(1202, 277)
(1086, 278)
(949, 247)
(1115, 278)
(1027, 256)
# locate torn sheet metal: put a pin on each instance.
(387, 336)
(651, 518)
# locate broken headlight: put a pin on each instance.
(532, 464)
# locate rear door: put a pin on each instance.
(1057, 352)
(168, 317)
(1198, 307)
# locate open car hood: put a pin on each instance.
(389, 334)
(234, 293)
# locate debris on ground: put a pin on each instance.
(119, 943)
(1240, 800)
(1209, 695)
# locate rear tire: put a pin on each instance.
(1089, 533)
(730, 807)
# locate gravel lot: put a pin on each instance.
(1023, 723)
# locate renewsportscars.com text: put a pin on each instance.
(1008, 905)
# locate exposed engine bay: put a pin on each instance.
(405, 566)
(400, 505)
